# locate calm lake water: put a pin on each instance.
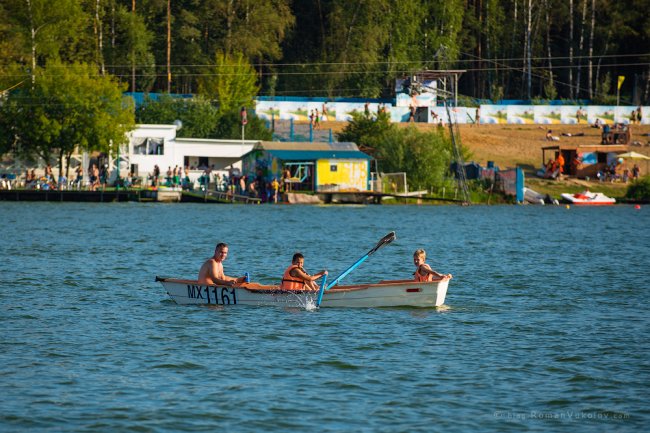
(545, 327)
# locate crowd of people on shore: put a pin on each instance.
(232, 183)
(615, 171)
(97, 178)
(47, 181)
(235, 183)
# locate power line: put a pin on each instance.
(383, 62)
(350, 72)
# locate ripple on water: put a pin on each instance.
(179, 366)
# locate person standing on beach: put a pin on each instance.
(411, 113)
(286, 179)
(211, 271)
(560, 163)
(639, 115)
(275, 186)
(80, 176)
(156, 174)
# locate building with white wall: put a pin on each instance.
(151, 145)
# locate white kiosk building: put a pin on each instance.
(151, 145)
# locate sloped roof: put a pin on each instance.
(606, 148)
(301, 145)
(304, 151)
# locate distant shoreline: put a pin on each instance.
(148, 196)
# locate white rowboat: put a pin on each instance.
(396, 293)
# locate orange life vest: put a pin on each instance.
(289, 282)
(422, 278)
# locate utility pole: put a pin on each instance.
(169, 46)
(460, 163)
(133, 54)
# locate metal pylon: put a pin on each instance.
(461, 178)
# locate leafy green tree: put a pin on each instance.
(253, 28)
(48, 29)
(67, 108)
(424, 156)
(232, 82)
(639, 190)
(365, 130)
(199, 116)
(129, 52)
(229, 126)
(200, 119)
(12, 41)
(342, 48)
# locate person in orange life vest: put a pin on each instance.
(212, 270)
(295, 277)
(560, 162)
(423, 271)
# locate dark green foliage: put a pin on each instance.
(199, 118)
(425, 156)
(229, 126)
(66, 108)
(364, 129)
(639, 190)
(346, 48)
(232, 83)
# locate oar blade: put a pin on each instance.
(390, 237)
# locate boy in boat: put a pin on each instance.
(295, 277)
(423, 271)
(212, 270)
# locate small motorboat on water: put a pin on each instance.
(395, 293)
(588, 198)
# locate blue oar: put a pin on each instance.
(321, 290)
(390, 237)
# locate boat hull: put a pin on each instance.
(395, 293)
(588, 199)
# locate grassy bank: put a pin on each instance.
(616, 190)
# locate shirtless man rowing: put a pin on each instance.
(212, 270)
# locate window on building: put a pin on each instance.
(334, 167)
(148, 146)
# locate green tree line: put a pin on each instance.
(521, 49)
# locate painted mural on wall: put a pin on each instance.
(489, 114)
(547, 114)
(408, 93)
(494, 114)
(603, 113)
(439, 115)
(344, 110)
(260, 163)
(521, 114)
